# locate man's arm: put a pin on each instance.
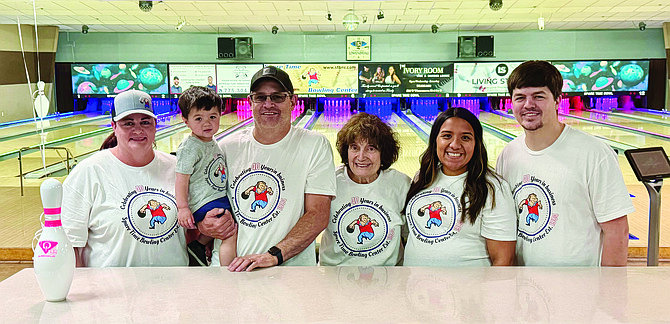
(615, 242)
(305, 231)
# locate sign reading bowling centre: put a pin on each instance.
(321, 80)
(405, 80)
(489, 78)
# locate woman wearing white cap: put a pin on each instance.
(118, 205)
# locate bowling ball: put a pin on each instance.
(520, 210)
(631, 74)
(350, 229)
(141, 214)
(151, 77)
(421, 212)
(245, 195)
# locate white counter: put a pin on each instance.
(345, 294)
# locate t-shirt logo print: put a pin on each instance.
(363, 228)
(533, 201)
(257, 195)
(157, 213)
(216, 173)
(434, 214)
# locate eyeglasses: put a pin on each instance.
(275, 97)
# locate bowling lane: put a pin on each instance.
(599, 130)
(639, 124)
(97, 125)
(411, 146)
(30, 126)
(171, 143)
(653, 117)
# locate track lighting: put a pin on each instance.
(84, 29)
(642, 26)
(146, 6)
(495, 5)
(329, 16)
(380, 15)
(433, 29)
(275, 29)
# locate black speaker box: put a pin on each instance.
(235, 48)
(467, 46)
(485, 46)
(226, 47)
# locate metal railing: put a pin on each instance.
(68, 154)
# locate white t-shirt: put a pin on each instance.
(578, 184)
(124, 216)
(267, 186)
(437, 237)
(206, 164)
(374, 241)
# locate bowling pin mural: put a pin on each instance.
(53, 259)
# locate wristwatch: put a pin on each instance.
(276, 252)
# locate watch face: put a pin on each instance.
(274, 250)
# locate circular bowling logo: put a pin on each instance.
(256, 195)
(432, 215)
(362, 228)
(533, 208)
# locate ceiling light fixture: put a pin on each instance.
(275, 29)
(642, 26)
(84, 29)
(146, 6)
(351, 21)
(495, 5)
(540, 23)
(329, 16)
(433, 29)
(365, 19)
(380, 15)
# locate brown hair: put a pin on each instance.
(477, 186)
(536, 74)
(372, 129)
(199, 98)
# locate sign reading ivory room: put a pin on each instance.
(358, 48)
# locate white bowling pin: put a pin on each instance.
(54, 260)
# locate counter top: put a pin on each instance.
(345, 294)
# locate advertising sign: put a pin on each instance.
(235, 78)
(603, 77)
(483, 78)
(183, 76)
(111, 79)
(405, 80)
(322, 79)
(358, 48)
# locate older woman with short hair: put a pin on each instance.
(366, 217)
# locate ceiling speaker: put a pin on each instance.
(467, 46)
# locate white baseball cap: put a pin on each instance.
(132, 102)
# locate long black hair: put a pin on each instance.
(477, 185)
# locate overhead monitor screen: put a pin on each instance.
(405, 79)
(483, 78)
(111, 79)
(235, 78)
(183, 76)
(322, 79)
(604, 76)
